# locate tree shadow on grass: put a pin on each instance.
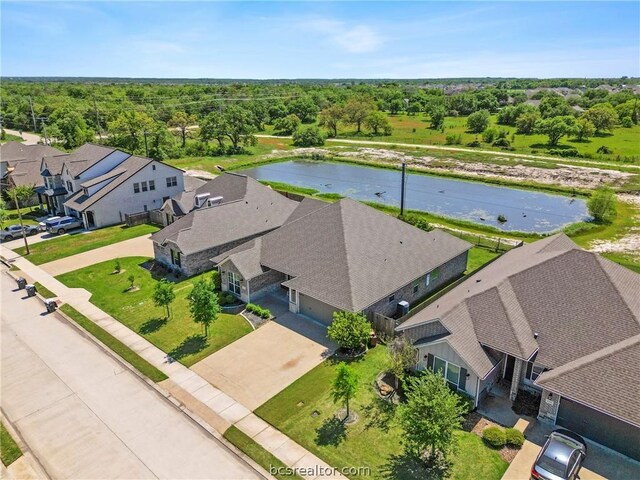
(190, 346)
(380, 413)
(152, 325)
(406, 466)
(331, 432)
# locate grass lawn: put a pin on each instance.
(180, 336)
(29, 216)
(7, 137)
(44, 291)
(9, 449)
(253, 450)
(304, 410)
(78, 242)
(478, 256)
(114, 344)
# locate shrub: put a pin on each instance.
(502, 142)
(514, 437)
(602, 205)
(604, 150)
(494, 436)
(117, 266)
(453, 139)
(308, 137)
(564, 152)
(478, 121)
(258, 310)
(475, 143)
(349, 330)
(489, 135)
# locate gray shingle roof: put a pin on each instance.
(24, 161)
(349, 255)
(258, 211)
(86, 156)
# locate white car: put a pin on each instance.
(15, 231)
(63, 225)
(43, 225)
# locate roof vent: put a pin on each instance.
(535, 335)
(201, 199)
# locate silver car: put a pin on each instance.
(15, 231)
(63, 225)
(43, 225)
(561, 457)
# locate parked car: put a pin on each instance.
(43, 225)
(561, 457)
(63, 224)
(15, 231)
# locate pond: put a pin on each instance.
(524, 210)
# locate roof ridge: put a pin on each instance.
(341, 203)
(516, 332)
(600, 259)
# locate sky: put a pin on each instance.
(320, 39)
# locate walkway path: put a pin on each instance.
(187, 387)
(134, 247)
(29, 138)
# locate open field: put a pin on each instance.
(179, 336)
(80, 241)
(304, 412)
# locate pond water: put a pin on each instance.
(525, 210)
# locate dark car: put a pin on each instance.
(561, 457)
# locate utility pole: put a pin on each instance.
(33, 117)
(44, 129)
(402, 188)
(24, 234)
(146, 146)
(95, 106)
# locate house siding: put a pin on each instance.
(266, 283)
(444, 351)
(316, 309)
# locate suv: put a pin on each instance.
(63, 224)
(43, 225)
(561, 457)
(15, 231)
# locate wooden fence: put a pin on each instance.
(154, 216)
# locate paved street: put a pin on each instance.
(29, 138)
(84, 416)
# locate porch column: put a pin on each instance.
(515, 380)
(549, 403)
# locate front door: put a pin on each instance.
(91, 223)
(508, 371)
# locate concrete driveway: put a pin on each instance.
(259, 365)
(85, 416)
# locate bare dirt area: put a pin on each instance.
(629, 243)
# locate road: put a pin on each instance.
(29, 138)
(84, 415)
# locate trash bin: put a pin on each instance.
(21, 283)
(51, 305)
(31, 290)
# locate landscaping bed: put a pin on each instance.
(178, 336)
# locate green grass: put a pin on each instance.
(29, 216)
(180, 336)
(9, 449)
(7, 137)
(115, 345)
(478, 256)
(79, 242)
(44, 291)
(253, 450)
(375, 438)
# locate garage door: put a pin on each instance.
(600, 428)
(316, 309)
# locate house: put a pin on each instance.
(549, 318)
(343, 256)
(225, 188)
(20, 165)
(102, 184)
(244, 209)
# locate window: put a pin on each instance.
(439, 365)
(450, 371)
(144, 186)
(416, 288)
(152, 185)
(453, 374)
(145, 208)
(533, 371)
(136, 188)
(427, 279)
(234, 283)
(69, 186)
(175, 258)
(172, 181)
(293, 296)
(392, 298)
(153, 167)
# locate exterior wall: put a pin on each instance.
(316, 309)
(549, 404)
(487, 383)
(444, 351)
(110, 210)
(437, 278)
(266, 283)
(105, 165)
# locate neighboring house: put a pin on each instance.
(227, 187)
(343, 256)
(20, 165)
(550, 318)
(101, 184)
(246, 210)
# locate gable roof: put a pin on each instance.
(258, 211)
(77, 161)
(349, 255)
(24, 161)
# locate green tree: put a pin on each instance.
(308, 137)
(402, 356)
(182, 121)
(584, 129)
(349, 330)
(203, 304)
(357, 109)
(396, 105)
(555, 128)
(22, 194)
(478, 121)
(4, 214)
(305, 108)
(554, 105)
(437, 113)
(603, 117)
(286, 125)
(345, 385)
(602, 205)
(526, 123)
(127, 130)
(430, 416)
(378, 122)
(71, 128)
(214, 127)
(239, 126)
(163, 295)
(330, 119)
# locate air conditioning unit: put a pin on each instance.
(402, 308)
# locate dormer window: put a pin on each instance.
(86, 192)
(69, 186)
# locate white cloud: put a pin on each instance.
(351, 38)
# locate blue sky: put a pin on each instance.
(321, 39)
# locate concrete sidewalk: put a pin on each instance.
(191, 390)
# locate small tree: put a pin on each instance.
(330, 118)
(3, 212)
(349, 330)
(21, 194)
(203, 304)
(478, 121)
(402, 356)
(430, 416)
(437, 113)
(602, 205)
(584, 129)
(117, 267)
(345, 385)
(378, 123)
(132, 281)
(286, 125)
(163, 295)
(555, 128)
(308, 137)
